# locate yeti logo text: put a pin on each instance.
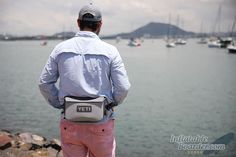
(84, 108)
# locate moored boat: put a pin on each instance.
(214, 44)
(225, 42)
(231, 49)
(170, 44)
(180, 41)
(134, 42)
(44, 43)
(202, 41)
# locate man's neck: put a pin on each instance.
(90, 30)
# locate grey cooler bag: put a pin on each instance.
(79, 109)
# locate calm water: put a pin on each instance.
(188, 90)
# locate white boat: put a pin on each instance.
(170, 44)
(202, 41)
(134, 42)
(225, 42)
(214, 44)
(232, 47)
(180, 42)
(44, 43)
(44, 40)
(118, 39)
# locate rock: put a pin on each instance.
(56, 144)
(54, 153)
(5, 132)
(41, 153)
(5, 141)
(25, 146)
(56, 141)
(32, 138)
(26, 137)
(35, 146)
(28, 145)
(38, 138)
(5, 146)
(13, 152)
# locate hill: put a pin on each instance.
(153, 30)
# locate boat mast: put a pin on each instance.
(232, 30)
(201, 29)
(182, 26)
(168, 33)
(176, 35)
(217, 22)
(219, 15)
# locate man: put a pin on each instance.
(87, 67)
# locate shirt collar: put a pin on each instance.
(86, 34)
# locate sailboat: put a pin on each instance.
(202, 40)
(134, 42)
(180, 40)
(169, 42)
(44, 41)
(215, 42)
(225, 42)
(118, 39)
(232, 47)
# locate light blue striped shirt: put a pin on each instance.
(86, 67)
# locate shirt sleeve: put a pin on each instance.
(119, 79)
(47, 83)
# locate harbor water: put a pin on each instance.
(188, 90)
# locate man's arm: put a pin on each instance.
(47, 82)
(120, 79)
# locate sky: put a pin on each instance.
(46, 17)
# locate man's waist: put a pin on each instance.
(62, 94)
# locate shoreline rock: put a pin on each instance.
(28, 145)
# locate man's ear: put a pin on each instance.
(100, 24)
(78, 23)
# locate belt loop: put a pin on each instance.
(63, 113)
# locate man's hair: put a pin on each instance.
(89, 24)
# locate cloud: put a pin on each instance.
(48, 17)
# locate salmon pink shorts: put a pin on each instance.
(87, 140)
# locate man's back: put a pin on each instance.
(88, 67)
